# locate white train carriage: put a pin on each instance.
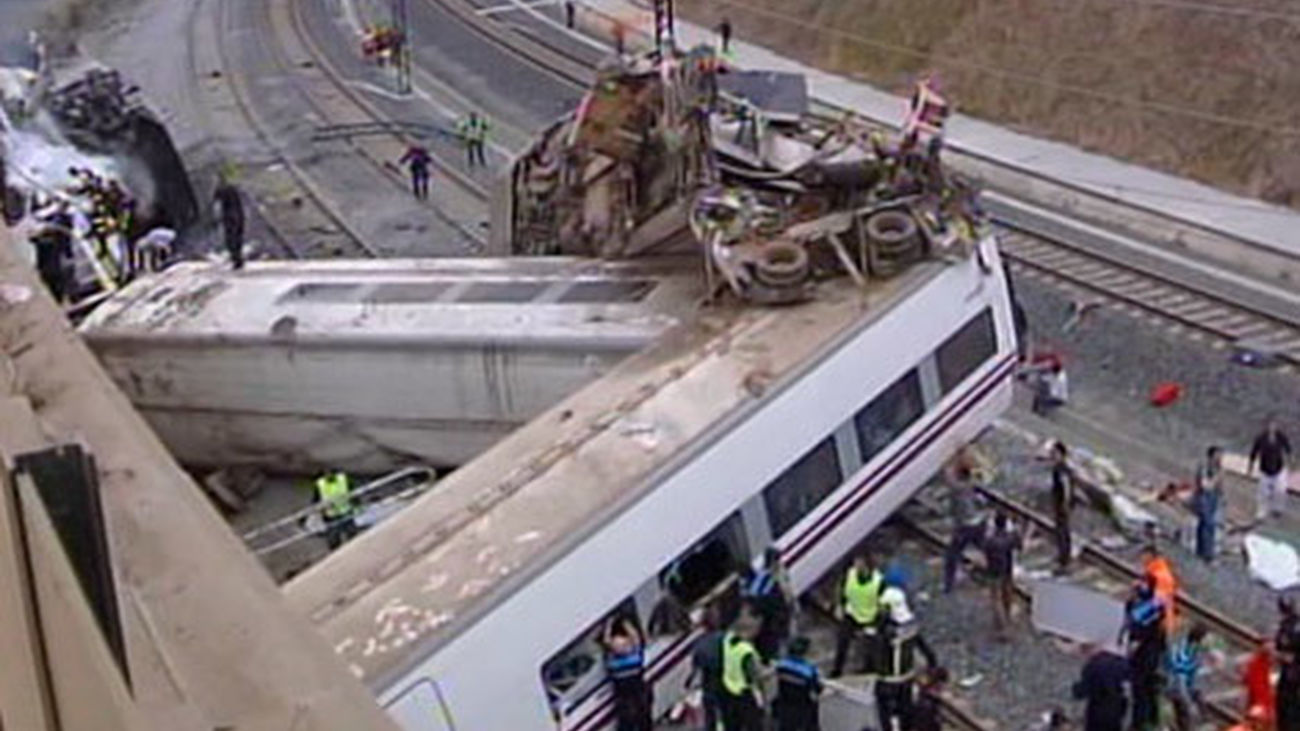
(478, 608)
(370, 366)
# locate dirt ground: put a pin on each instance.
(1209, 89)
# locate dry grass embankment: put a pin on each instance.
(1209, 89)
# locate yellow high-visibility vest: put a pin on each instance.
(735, 652)
(862, 598)
(336, 494)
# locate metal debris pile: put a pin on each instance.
(97, 103)
(774, 197)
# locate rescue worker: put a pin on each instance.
(230, 208)
(417, 159)
(1286, 646)
(1186, 656)
(1157, 567)
(798, 686)
(1144, 631)
(901, 637)
(625, 666)
(1104, 686)
(473, 129)
(769, 592)
(334, 493)
(858, 613)
(742, 694)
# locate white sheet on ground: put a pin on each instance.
(1273, 562)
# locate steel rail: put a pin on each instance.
(240, 94)
(323, 63)
(1137, 285)
(1241, 635)
(938, 542)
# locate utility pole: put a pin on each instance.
(402, 60)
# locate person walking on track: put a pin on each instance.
(1271, 451)
(474, 131)
(417, 160)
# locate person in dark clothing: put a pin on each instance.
(230, 207)
(927, 713)
(901, 638)
(706, 668)
(1062, 498)
(768, 593)
(1272, 452)
(1144, 629)
(53, 244)
(625, 667)
(1000, 550)
(568, 13)
(1104, 685)
(1286, 644)
(724, 33)
(798, 685)
(417, 159)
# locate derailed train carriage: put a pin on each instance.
(803, 425)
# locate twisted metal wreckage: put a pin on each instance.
(686, 154)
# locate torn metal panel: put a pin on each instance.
(1077, 613)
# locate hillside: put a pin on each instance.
(1210, 90)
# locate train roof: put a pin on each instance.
(516, 301)
(434, 569)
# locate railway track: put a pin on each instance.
(292, 223)
(1147, 291)
(1106, 572)
(321, 94)
(1104, 275)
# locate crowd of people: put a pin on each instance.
(735, 663)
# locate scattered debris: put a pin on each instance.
(1256, 353)
(1272, 561)
(1165, 393)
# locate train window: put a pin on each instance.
(969, 347)
(576, 671)
(888, 414)
(803, 486)
(703, 569)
